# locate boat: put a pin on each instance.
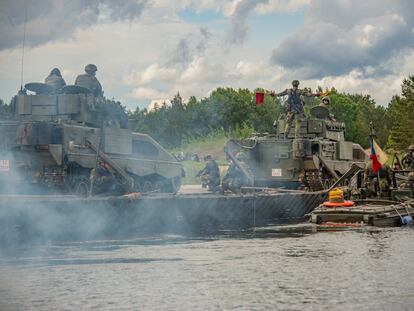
(338, 214)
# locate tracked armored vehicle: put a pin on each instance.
(54, 139)
(314, 161)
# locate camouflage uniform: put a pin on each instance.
(295, 106)
(409, 183)
(102, 180)
(408, 160)
(325, 103)
(55, 80)
(210, 175)
(89, 81)
(235, 178)
(379, 183)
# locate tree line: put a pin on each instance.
(231, 110)
(234, 112)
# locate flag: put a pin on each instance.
(376, 165)
(259, 98)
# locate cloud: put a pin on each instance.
(147, 93)
(342, 36)
(49, 20)
(281, 6)
(154, 72)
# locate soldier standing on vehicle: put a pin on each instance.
(89, 81)
(325, 103)
(408, 160)
(295, 106)
(55, 80)
(210, 175)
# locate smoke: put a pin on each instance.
(48, 20)
(238, 23)
(189, 48)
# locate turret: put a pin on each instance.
(74, 104)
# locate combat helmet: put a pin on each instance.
(295, 83)
(411, 147)
(56, 72)
(90, 68)
(327, 99)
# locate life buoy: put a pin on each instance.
(339, 204)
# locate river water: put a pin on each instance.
(282, 268)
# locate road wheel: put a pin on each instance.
(147, 187)
(159, 186)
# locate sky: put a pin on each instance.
(149, 50)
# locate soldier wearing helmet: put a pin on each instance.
(210, 175)
(295, 105)
(378, 184)
(325, 103)
(89, 81)
(408, 160)
(55, 80)
(235, 178)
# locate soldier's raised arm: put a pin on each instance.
(283, 93)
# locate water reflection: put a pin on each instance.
(286, 267)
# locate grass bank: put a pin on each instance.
(213, 145)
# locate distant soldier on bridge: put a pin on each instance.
(295, 106)
(408, 160)
(210, 175)
(378, 184)
(235, 178)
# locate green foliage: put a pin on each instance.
(401, 116)
(241, 132)
(229, 112)
(357, 112)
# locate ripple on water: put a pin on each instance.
(269, 270)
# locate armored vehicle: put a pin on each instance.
(314, 161)
(60, 142)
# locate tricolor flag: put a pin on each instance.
(376, 165)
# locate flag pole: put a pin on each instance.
(371, 135)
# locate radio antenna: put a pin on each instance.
(24, 42)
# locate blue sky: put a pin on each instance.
(149, 50)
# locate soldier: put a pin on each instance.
(379, 183)
(55, 80)
(295, 106)
(409, 183)
(101, 179)
(325, 103)
(235, 178)
(89, 80)
(210, 175)
(408, 160)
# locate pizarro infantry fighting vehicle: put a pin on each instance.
(54, 140)
(314, 161)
